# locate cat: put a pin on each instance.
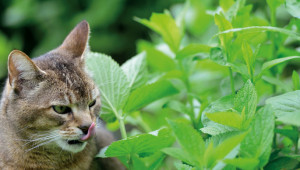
(49, 108)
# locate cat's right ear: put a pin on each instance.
(20, 66)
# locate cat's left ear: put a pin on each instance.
(76, 43)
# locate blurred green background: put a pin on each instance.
(38, 26)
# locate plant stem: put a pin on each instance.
(122, 128)
(129, 162)
(231, 81)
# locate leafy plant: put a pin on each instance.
(227, 103)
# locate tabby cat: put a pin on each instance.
(49, 111)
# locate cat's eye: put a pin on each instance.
(62, 109)
(92, 103)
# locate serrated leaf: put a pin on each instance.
(190, 140)
(111, 81)
(293, 7)
(258, 143)
(246, 98)
(165, 25)
(192, 49)
(144, 143)
(287, 108)
(242, 163)
(148, 94)
(135, 70)
(231, 119)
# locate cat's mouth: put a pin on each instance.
(74, 142)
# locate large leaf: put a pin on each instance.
(139, 144)
(165, 25)
(287, 107)
(258, 143)
(111, 80)
(149, 93)
(190, 140)
(135, 70)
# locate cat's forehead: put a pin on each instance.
(68, 76)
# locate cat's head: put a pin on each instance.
(51, 99)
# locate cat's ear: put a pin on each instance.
(76, 43)
(20, 66)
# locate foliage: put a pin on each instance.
(228, 103)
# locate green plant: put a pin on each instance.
(214, 98)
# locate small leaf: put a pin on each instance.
(293, 7)
(180, 154)
(296, 80)
(111, 80)
(242, 163)
(287, 107)
(178, 107)
(223, 25)
(165, 25)
(246, 98)
(258, 143)
(190, 140)
(181, 166)
(217, 55)
(249, 58)
(231, 119)
(282, 163)
(290, 133)
(149, 93)
(153, 55)
(135, 70)
(192, 49)
(144, 143)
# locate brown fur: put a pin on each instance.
(33, 87)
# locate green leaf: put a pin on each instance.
(135, 70)
(269, 64)
(296, 80)
(180, 154)
(190, 140)
(221, 105)
(249, 58)
(282, 163)
(192, 49)
(165, 25)
(287, 107)
(290, 133)
(242, 163)
(223, 25)
(293, 7)
(181, 166)
(226, 4)
(277, 82)
(153, 55)
(178, 107)
(258, 143)
(273, 4)
(137, 163)
(111, 80)
(144, 143)
(246, 98)
(217, 55)
(147, 94)
(231, 119)
(213, 155)
(257, 29)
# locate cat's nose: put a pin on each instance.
(85, 128)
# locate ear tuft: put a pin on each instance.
(77, 41)
(20, 66)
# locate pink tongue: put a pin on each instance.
(90, 133)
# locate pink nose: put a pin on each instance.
(90, 133)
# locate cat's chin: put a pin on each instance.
(71, 145)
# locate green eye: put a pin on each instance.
(92, 103)
(62, 109)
